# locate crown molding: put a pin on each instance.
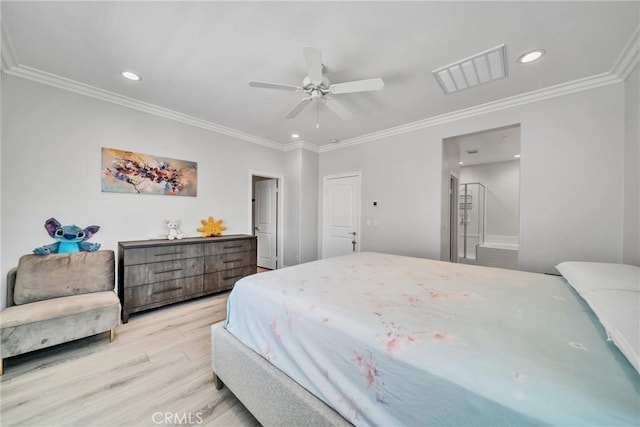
(63, 83)
(629, 57)
(7, 52)
(303, 145)
(625, 63)
(579, 85)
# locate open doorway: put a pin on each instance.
(265, 218)
(487, 209)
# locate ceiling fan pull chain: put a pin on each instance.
(318, 114)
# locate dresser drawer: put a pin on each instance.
(142, 274)
(228, 247)
(223, 280)
(161, 253)
(157, 293)
(228, 261)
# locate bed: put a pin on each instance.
(379, 339)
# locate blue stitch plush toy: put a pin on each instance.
(70, 238)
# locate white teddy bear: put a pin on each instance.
(173, 229)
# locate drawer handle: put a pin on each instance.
(232, 277)
(233, 260)
(232, 247)
(166, 290)
(167, 271)
(168, 253)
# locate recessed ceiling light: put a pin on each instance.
(334, 141)
(461, 163)
(295, 135)
(531, 56)
(131, 76)
(517, 156)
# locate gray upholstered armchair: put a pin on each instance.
(58, 298)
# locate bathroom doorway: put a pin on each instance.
(487, 212)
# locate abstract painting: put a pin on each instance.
(129, 172)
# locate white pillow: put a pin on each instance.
(601, 275)
(613, 293)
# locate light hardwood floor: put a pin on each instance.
(156, 372)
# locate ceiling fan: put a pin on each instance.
(318, 88)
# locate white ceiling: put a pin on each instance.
(493, 145)
(196, 58)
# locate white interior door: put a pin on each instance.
(266, 195)
(341, 216)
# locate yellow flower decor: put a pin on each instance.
(211, 228)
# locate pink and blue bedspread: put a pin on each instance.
(390, 340)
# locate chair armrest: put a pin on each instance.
(11, 283)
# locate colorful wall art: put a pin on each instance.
(129, 172)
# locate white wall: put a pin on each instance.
(403, 174)
(3, 268)
(631, 220)
(569, 144)
(309, 206)
(293, 161)
(502, 196)
(51, 161)
(302, 206)
(571, 200)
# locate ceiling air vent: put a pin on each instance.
(472, 71)
(474, 151)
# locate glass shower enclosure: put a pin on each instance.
(471, 213)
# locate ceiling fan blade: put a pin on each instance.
(357, 86)
(298, 107)
(313, 59)
(337, 108)
(275, 86)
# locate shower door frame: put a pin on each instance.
(464, 222)
(454, 188)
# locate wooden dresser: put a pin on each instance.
(153, 273)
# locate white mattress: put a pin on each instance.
(390, 340)
(613, 293)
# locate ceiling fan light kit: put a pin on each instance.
(319, 89)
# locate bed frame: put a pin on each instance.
(270, 395)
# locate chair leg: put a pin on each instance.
(112, 334)
(1, 367)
